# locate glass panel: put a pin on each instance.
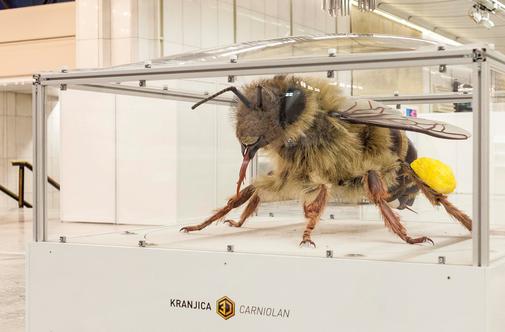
(497, 166)
(135, 168)
(158, 166)
(282, 47)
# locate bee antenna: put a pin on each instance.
(233, 89)
(259, 97)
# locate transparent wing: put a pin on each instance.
(372, 113)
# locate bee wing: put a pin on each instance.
(372, 113)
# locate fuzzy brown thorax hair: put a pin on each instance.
(312, 147)
(268, 124)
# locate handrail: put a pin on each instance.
(22, 164)
(14, 196)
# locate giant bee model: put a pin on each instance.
(323, 146)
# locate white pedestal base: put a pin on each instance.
(98, 288)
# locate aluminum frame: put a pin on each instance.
(480, 107)
(179, 95)
(461, 56)
(264, 67)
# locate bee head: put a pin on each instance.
(263, 112)
(275, 105)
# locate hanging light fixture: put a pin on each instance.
(366, 5)
(336, 7)
(480, 14)
(343, 7)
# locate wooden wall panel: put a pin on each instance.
(37, 38)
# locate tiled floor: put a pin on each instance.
(355, 233)
(15, 231)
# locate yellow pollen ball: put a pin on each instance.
(435, 174)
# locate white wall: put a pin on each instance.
(88, 157)
(15, 141)
(112, 32)
(195, 24)
(134, 160)
(147, 161)
(16, 144)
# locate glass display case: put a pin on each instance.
(137, 165)
(200, 157)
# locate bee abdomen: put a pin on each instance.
(405, 191)
(396, 141)
(411, 152)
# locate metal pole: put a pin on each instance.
(40, 162)
(291, 17)
(161, 27)
(21, 186)
(234, 21)
(480, 106)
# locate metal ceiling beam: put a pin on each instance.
(417, 20)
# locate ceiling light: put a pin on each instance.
(480, 15)
(343, 7)
(490, 5)
(486, 21)
(475, 15)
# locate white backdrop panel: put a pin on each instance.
(146, 160)
(87, 156)
(196, 162)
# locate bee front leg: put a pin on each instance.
(248, 211)
(234, 202)
(313, 212)
(377, 193)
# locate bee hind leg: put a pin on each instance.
(248, 211)
(234, 202)
(377, 193)
(313, 211)
(436, 198)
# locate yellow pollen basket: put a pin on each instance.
(435, 174)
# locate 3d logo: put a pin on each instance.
(225, 307)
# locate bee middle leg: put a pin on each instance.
(378, 194)
(313, 211)
(234, 202)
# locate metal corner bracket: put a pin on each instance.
(479, 55)
(36, 79)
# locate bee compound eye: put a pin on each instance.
(292, 105)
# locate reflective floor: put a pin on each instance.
(15, 231)
(350, 232)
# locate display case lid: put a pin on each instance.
(296, 46)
